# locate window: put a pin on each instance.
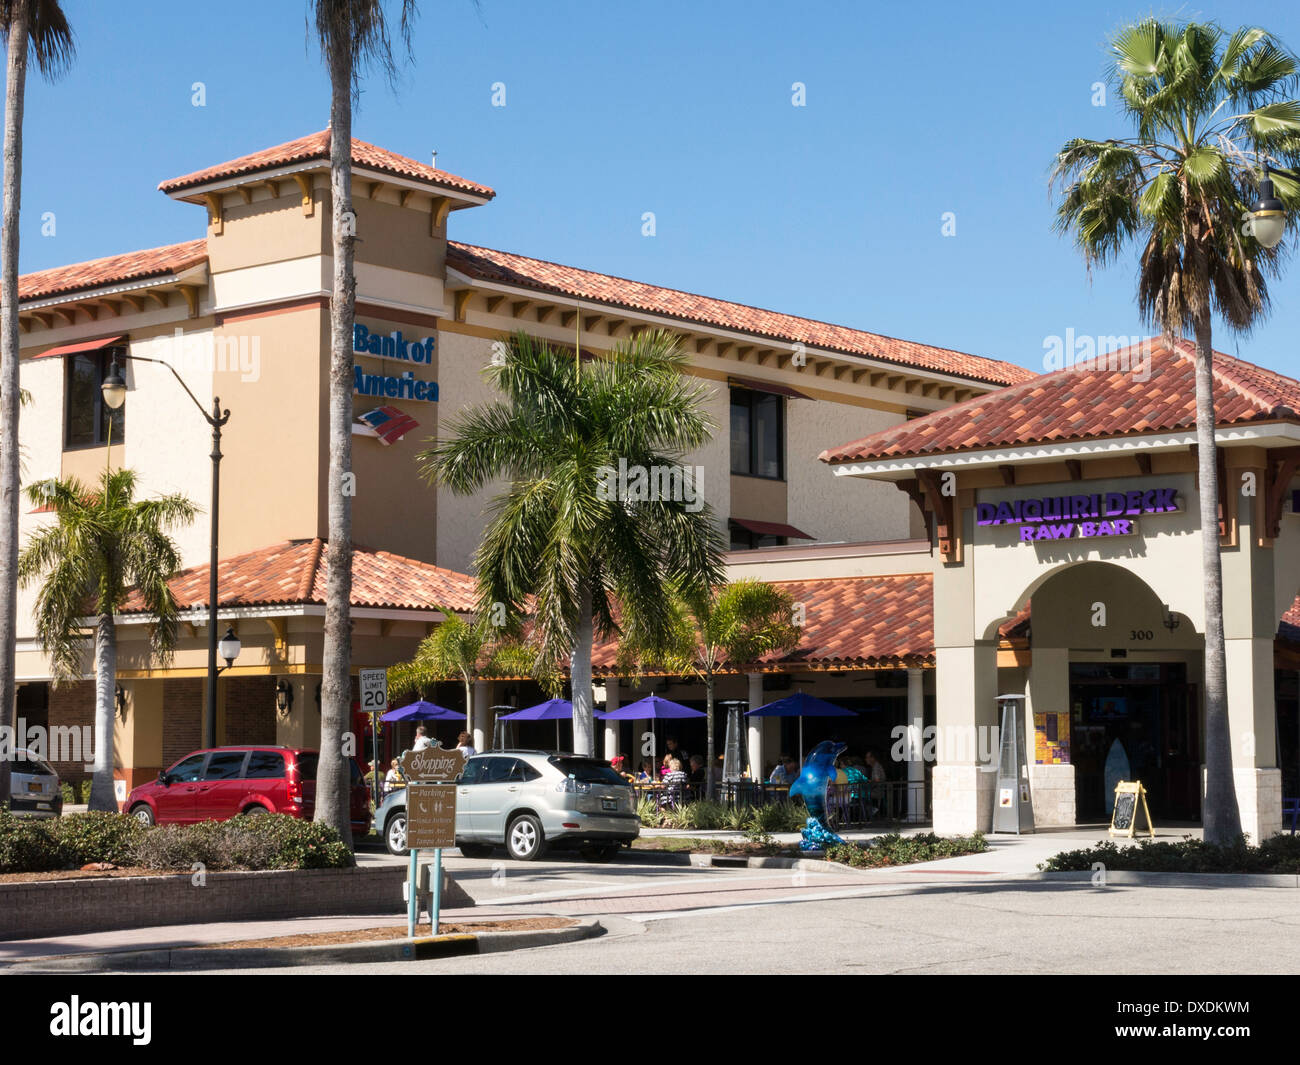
(188, 769)
(87, 417)
(587, 770)
(265, 765)
(225, 765)
(473, 771)
(743, 539)
(757, 434)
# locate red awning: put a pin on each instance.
(81, 345)
(766, 386)
(771, 528)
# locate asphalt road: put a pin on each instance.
(756, 921)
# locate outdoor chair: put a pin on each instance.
(1292, 807)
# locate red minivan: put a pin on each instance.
(222, 782)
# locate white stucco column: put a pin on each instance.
(611, 729)
(755, 737)
(480, 727)
(965, 770)
(915, 729)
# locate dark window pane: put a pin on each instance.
(225, 765)
(767, 436)
(498, 770)
(83, 391)
(265, 765)
(473, 771)
(187, 769)
(741, 539)
(307, 766)
(740, 431)
(587, 770)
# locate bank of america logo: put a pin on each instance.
(389, 424)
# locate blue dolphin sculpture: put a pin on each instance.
(818, 773)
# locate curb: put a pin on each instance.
(706, 860)
(1121, 877)
(198, 958)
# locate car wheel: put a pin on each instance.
(143, 814)
(395, 833)
(525, 840)
(475, 850)
(599, 853)
(255, 811)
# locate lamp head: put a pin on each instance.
(1268, 216)
(114, 387)
(229, 646)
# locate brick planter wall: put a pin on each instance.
(34, 910)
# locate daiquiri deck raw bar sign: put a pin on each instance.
(1078, 517)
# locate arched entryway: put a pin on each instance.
(1122, 672)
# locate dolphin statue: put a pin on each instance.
(818, 773)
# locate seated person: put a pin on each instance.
(674, 783)
(696, 775)
(393, 778)
(619, 765)
(646, 774)
(786, 771)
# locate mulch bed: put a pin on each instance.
(85, 874)
(728, 847)
(370, 935)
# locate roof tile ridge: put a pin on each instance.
(308, 579)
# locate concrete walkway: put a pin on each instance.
(1008, 857)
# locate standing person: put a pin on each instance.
(876, 774)
(465, 745)
(421, 740)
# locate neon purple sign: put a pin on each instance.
(1078, 517)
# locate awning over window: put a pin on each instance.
(80, 346)
(765, 386)
(771, 528)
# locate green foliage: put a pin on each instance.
(97, 836)
(895, 849)
(69, 795)
(706, 815)
(270, 841)
(1278, 854)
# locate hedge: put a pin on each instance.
(1278, 854)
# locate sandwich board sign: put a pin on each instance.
(1131, 811)
(1014, 809)
(430, 820)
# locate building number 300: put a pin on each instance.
(1141, 634)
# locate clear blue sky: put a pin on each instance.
(832, 210)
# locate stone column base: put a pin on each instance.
(1052, 788)
(1259, 800)
(962, 799)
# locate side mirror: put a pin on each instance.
(163, 778)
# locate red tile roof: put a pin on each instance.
(507, 268)
(316, 146)
(294, 572)
(1090, 400)
(849, 623)
(113, 270)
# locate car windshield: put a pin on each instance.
(587, 770)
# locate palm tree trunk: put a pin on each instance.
(584, 726)
(15, 91)
(469, 709)
(1221, 819)
(332, 784)
(101, 784)
(708, 725)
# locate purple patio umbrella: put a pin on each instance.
(800, 705)
(556, 710)
(654, 708)
(420, 710)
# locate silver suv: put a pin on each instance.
(529, 801)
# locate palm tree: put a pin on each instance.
(1208, 110)
(465, 651)
(101, 545)
(733, 625)
(565, 533)
(353, 34)
(36, 28)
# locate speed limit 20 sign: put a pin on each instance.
(374, 690)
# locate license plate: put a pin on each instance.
(609, 804)
(35, 787)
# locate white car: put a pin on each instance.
(33, 787)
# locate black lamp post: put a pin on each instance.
(114, 390)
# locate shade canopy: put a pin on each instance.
(420, 710)
(651, 707)
(800, 704)
(551, 710)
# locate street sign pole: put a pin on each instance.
(437, 890)
(412, 894)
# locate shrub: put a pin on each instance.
(69, 796)
(894, 849)
(294, 843)
(27, 845)
(1278, 854)
(97, 836)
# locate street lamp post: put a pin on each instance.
(114, 390)
(1268, 216)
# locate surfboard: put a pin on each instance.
(1117, 769)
